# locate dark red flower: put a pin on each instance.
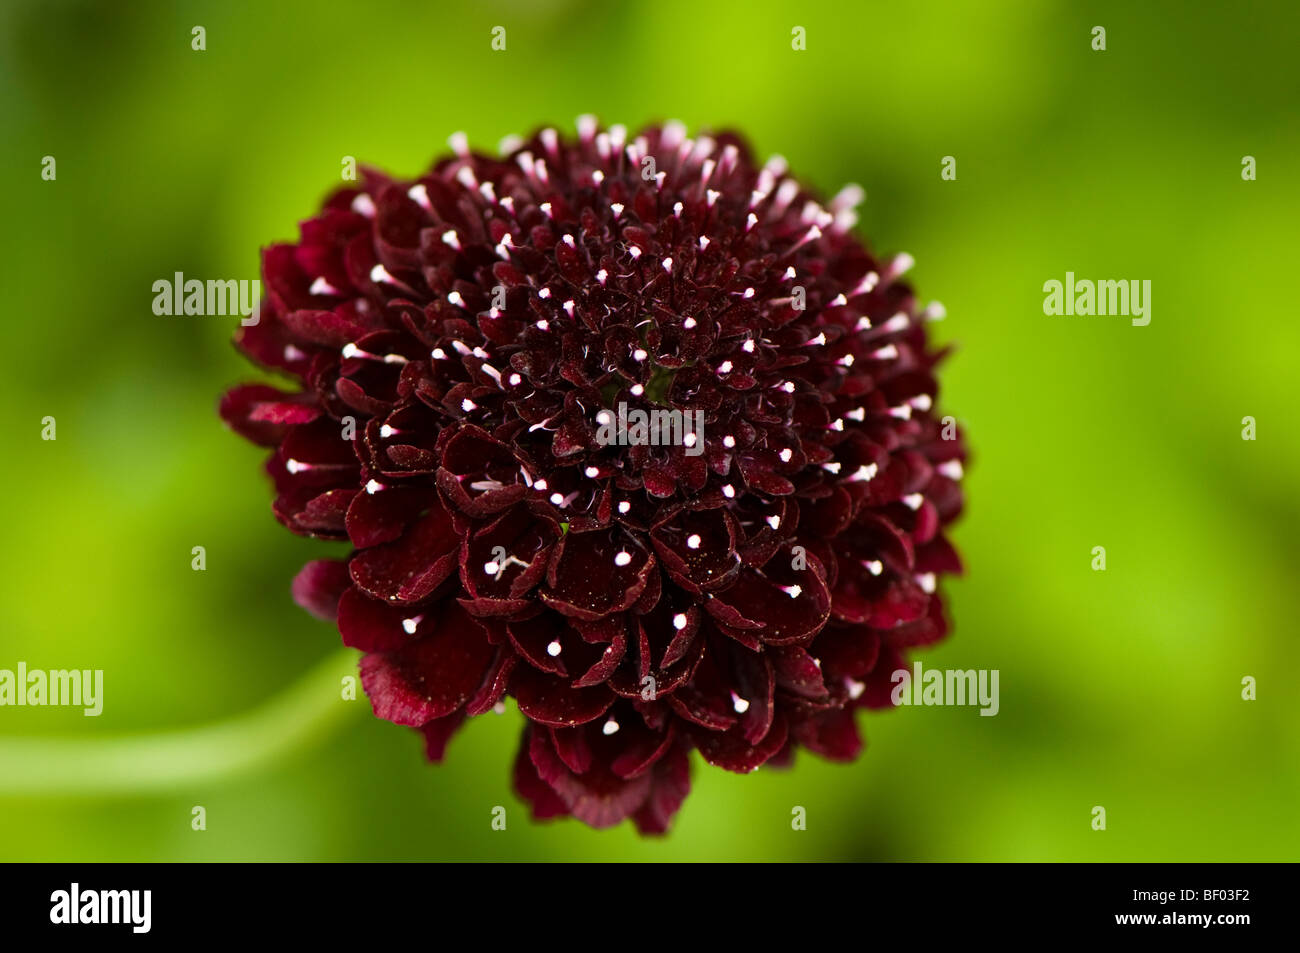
(470, 354)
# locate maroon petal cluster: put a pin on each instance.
(455, 344)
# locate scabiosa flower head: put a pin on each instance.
(461, 348)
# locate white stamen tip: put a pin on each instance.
(864, 473)
(420, 195)
(363, 204)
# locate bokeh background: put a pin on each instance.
(1119, 688)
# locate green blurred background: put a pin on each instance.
(1119, 688)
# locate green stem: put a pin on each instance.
(139, 764)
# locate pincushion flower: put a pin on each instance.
(455, 345)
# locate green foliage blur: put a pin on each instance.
(1119, 688)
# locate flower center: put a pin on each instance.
(656, 389)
